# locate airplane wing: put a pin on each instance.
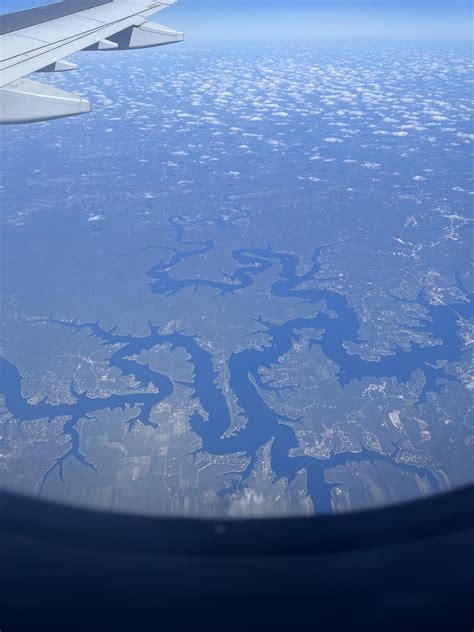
(38, 40)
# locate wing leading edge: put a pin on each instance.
(37, 40)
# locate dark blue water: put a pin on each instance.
(263, 424)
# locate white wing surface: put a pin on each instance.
(38, 40)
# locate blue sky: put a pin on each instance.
(361, 19)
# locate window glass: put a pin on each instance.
(241, 286)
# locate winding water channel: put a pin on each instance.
(263, 424)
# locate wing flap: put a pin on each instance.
(26, 101)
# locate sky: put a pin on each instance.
(302, 19)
